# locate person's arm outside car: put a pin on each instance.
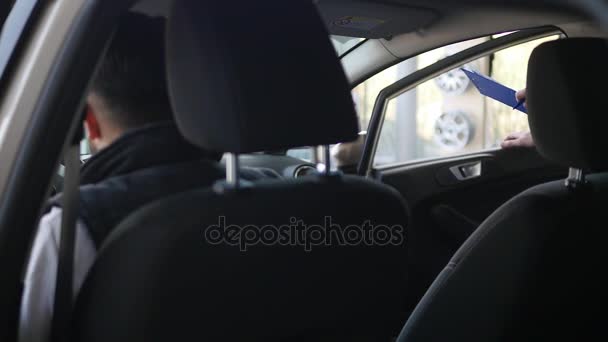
(518, 139)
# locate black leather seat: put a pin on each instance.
(533, 270)
(247, 76)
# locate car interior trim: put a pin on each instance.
(52, 77)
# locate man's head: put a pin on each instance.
(130, 88)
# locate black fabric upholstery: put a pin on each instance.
(158, 279)
(531, 272)
(248, 76)
(566, 104)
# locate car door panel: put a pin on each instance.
(446, 207)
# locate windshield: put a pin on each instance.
(344, 44)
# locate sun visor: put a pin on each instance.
(370, 20)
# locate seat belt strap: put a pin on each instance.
(64, 293)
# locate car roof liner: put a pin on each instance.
(373, 20)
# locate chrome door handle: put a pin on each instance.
(467, 171)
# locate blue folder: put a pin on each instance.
(493, 89)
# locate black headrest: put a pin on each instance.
(566, 101)
(248, 76)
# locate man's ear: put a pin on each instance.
(92, 125)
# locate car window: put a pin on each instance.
(365, 94)
(304, 153)
(447, 115)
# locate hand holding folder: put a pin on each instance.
(495, 90)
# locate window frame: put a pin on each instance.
(366, 167)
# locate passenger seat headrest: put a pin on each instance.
(567, 101)
(247, 76)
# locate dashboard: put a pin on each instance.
(282, 165)
(266, 165)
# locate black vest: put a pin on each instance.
(142, 166)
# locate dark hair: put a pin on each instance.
(131, 79)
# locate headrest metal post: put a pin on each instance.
(326, 159)
(315, 155)
(232, 169)
(576, 178)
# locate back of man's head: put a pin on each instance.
(131, 82)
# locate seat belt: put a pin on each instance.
(64, 292)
